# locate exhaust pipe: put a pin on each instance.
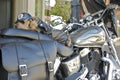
(110, 67)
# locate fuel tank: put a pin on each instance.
(93, 36)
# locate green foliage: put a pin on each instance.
(61, 9)
(47, 12)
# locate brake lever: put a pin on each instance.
(113, 6)
(109, 7)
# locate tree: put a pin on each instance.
(61, 8)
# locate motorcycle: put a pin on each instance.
(87, 59)
(92, 42)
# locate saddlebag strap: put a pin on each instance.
(51, 70)
(22, 67)
(50, 64)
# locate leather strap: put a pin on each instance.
(23, 72)
(50, 64)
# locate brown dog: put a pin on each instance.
(33, 24)
(28, 24)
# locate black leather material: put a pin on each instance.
(63, 50)
(24, 34)
(20, 35)
(12, 40)
(33, 56)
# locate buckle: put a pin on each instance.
(23, 70)
(50, 66)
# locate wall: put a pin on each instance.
(40, 9)
(5, 13)
(9, 9)
(20, 6)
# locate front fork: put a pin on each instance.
(105, 64)
(111, 70)
(107, 67)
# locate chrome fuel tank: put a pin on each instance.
(88, 37)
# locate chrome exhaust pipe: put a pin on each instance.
(110, 67)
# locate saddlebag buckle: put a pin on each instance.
(50, 66)
(23, 70)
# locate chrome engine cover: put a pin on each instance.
(93, 36)
(71, 65)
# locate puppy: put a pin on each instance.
(22, 25)
(33, 24)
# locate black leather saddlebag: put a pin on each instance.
(31, 60)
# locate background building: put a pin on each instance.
(9, 9)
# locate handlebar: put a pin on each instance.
(69, 26)
(101, 14)
(109, 7)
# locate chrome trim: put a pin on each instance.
(110, 71)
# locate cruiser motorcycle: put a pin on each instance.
(94, 45)
(32, 55)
